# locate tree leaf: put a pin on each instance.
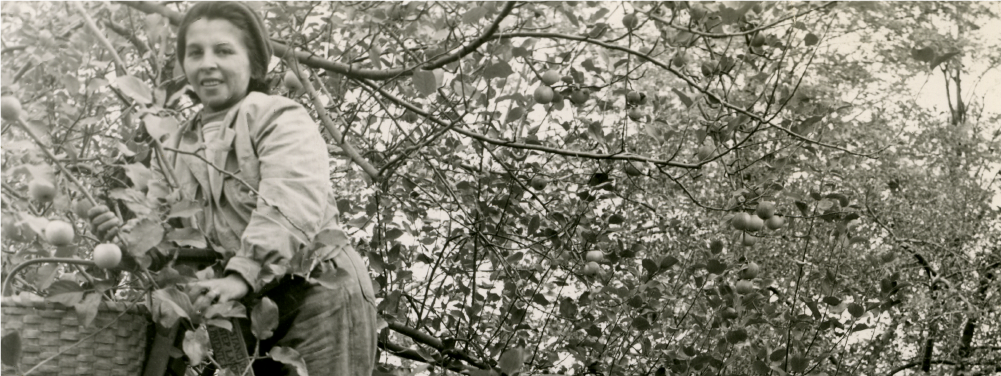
(641, 323)
(184, 209)
(511, 361)
(501, 69)
(925, 55)
(139, 175)
(187, 237)
(141, 235)
(86, 309)
(264, 318)
(856, 310)
(832, 301)
(474, 15)
(715, 266)
(46, 275)
(169, 305)
(135, 89)
(942, 58)
(650, 266)
(799, 363)
(159, 127)
(684, 98)
(133, 199)
(811, 39)
(291, 357)
(425, 82)
(514, 114)
(196, 345)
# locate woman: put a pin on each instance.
(271, 144)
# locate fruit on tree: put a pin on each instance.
(758, 40)
(754, 223)
(728, 313)
(634, 97)
(775, 222)
(708, 68)
(42, 190)
(766, 209)
(59, 233)
(704, 152)
(107, 255)
(543, 94)
(292, 82)
(595, 256)
(550, 77)
(539, 183)
(887, 257)
(630, 21)
(10, 108)
(579, 97)
(410, 116)
(557, 97)
(591, 268)
(749, 240)
(632, 170)
(740, 220)
(750, 271)
(635, 114)
(744, 287)
(679, 60)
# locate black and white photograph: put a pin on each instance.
(500, 188)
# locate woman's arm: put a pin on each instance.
(293, 189)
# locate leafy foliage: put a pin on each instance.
(475, 206)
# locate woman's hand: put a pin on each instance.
(104, 221)
(231, 287)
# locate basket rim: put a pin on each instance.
(35, 301)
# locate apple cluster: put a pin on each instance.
(764, 216)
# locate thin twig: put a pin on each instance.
(101, 38)
(513, 144)
(340, 139)
(728, 35)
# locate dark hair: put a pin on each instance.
(255, 37)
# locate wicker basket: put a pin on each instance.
(115, 344)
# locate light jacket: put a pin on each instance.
(271, 144)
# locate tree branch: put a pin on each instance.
(728, 35)
(678, 74)
(517, 145)
(350, 70)
(340, 139)
(100, 37)
(467, 48)
(436, 343)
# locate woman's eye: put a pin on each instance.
(194, 52)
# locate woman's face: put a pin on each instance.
(216, 63)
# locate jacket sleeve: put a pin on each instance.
(293, 188)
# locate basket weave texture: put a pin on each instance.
(114, 344)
